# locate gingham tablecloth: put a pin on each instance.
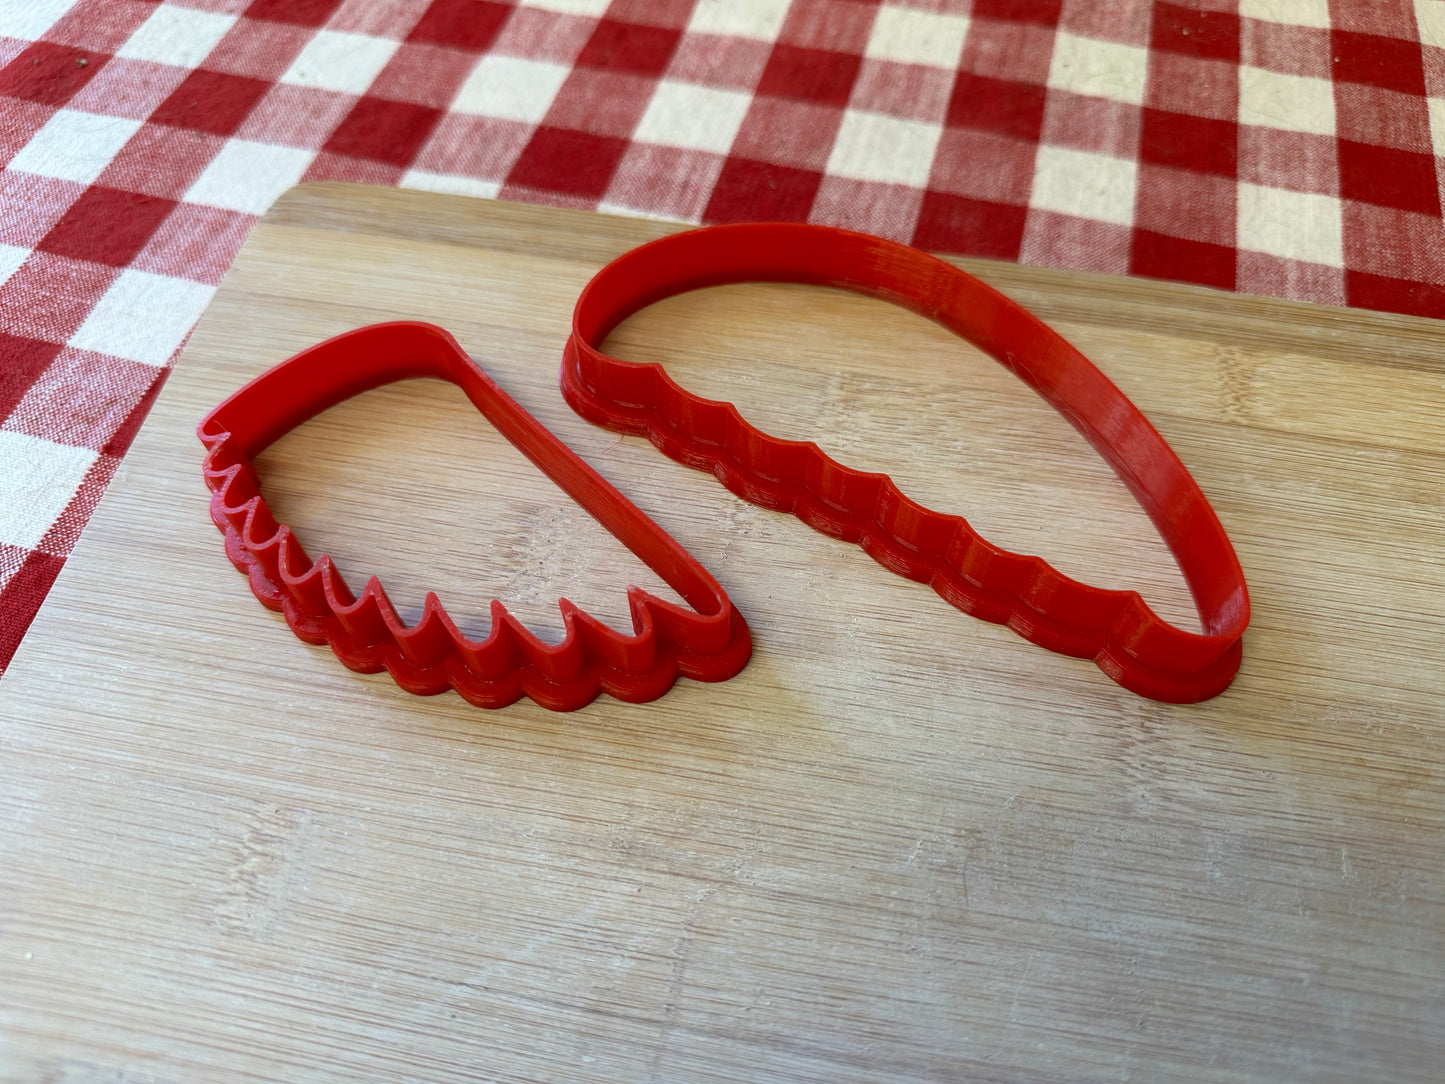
(1282, 147)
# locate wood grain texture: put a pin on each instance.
(902, 845)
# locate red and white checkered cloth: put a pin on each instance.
(1283, 147)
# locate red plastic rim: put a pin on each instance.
(1116, 629)
(709, 642)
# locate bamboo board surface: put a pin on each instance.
(902, 845)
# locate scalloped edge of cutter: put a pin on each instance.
(1116, 629)
(711, 642)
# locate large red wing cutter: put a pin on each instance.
(1116, 629)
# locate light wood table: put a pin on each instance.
(902, 845)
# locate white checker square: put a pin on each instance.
(1296, 12)
(760, 19)
(75, 146)
(1101, 69)
(587, 8)
(177, 35)
(37, 483)
(510, 88)
(1430, 20)
(909, 36)
(876, 147)
(247, 176)
(1437, 126)
(1296, 103)
(1085, 184)
(339, 61)
(11, 257)
(143, 317)
(1294, 225)
(691, 116)
(28, 19)
(451, 183)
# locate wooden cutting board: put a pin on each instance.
(902, 845)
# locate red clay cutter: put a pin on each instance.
(1116, 629)
(710, 642)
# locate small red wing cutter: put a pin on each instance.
(710, 642)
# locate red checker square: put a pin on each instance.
(1386, 294)
(331, 166)
(1211, 35)
(300, 12)
(468, 25)
(1198, 143)
(296, 116)
(1273, 276)
(1127, 24)
(969, 227)
(629, 47)
(20, 600)
(1182, 203)
(161, 161)
(31, 205)
(795, 134)
(983, 165)
(751, 191)
(567, 163)
(1387, 118)
(1390, 242)
(1298, 161)
(669, 181)
(196, 243)
(673, 13)
(107, 225)
(840, 26)
(914, 91)
(722, 62)
(1015, 52)
(22, 121)
(601, 102)
(60, 539)
(482, 147)
(884, 210)
(423, 74)
(49, 73)
(997, 105)
(1087, 123)
(129, 88)
(544, 35)
(809, 75)
(23, 362)
(1200, 88)
(1043, 12)
(258, 49)
(1390, 178)
(1378, 61)
(1085, 244)
(102, 25)
(1291, 50)
(50, 296)
(81, 399)
(383, 131)
(212, 102)
(1158, 256)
